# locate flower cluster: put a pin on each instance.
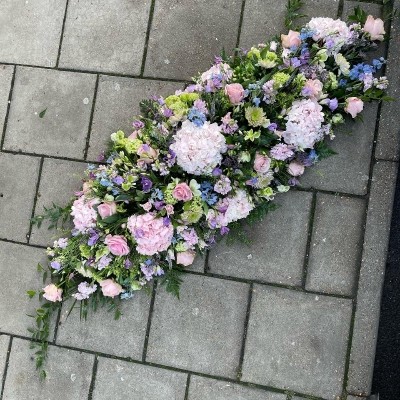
(205, 157)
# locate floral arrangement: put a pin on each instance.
(201, 160)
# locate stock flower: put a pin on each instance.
(52, 293)
(375, 28)
(110, 288)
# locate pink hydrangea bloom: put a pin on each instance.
(198, 149)
(304, 121)
(84, 214)
(152, 235)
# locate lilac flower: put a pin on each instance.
(333, 104)
(146, 182)
(84, 291)
(223, 185)
(272, 127)
(224, 230)
(167, 112)
(201, 106)
(127, 264)
(159, 205)
(166, 221)
(55, 265)
(190, 236)
(103, 262)
(93, 237)
(62, 243)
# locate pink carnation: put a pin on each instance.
(312, 89)
(84, 214)
(198, 149)
(117, 245)
(151, 234)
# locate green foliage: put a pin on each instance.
(261, 211)
(172, 281)
(237, 234)
(359, 16)
(292, 13)
(42, 113)
(56, 215)
(323, 150)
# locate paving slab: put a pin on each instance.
(105, 35)
(62, 130)
(210, 389)
(100, 332)
(388, 146)
(182, 50)
(336, 244)
(350, 397)
(120, 380)
(19, 262)
(4, 343)
(371, 278)
(269, 258)
(117, 103)
(203, 330)
(18, 179)
(264, 19)
(6, 74)
(59, 180)
(297, 341)
(30, 31)
(68, 372)
(199, 264)
(348, 170)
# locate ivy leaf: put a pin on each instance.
(31, 293)
(42, 113)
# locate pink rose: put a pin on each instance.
(182, 192)
(374, 27)
(186, 258)
(107, 209)
(262, 163)
(295, 168)
(291, 39)
(110, 288)
(354, 105)
(52, 293)
(147, 153)
(235, 92)
(117, 245)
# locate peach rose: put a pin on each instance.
(110, 288)
(117, 245)
(235, 92)
(262, 163)
(374, 27)
(107, 209)
(354, 105)
(186, 258)
(52, 293)
(295, 168)
(291, 39)
(182, 192)
(147, 153)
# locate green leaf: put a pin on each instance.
(111, 219)
(42, 113)
(323, 150)
(31, 293)
(172, 281)
(123, 197)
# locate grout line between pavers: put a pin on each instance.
(240, 23)
(206, 268)
(93, 380)
(3, 383)
(331, 192)
(96, 88)
(105, 73)
(25, 153)
(149, 319)
(37, 246)
(146, 42)
(28, 236)
(245, 329)
(169, 368)
(370, 176)
(62, 33)
(58, 318)
(309, 238)
(3, 135)
(340, 9)
(187, 387)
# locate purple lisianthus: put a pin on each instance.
(93, 237)
(159, 205)
(333, 104)
(146, 182)
(118, 180)
(137, 124)
(55, 265)
(217, 171)
(224, 230)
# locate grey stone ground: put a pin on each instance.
(283, 319)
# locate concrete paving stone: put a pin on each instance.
(264, 19)
(203, 330)
(348, 170)
(210, 389)
(120, 380)
(388, 146)
(269, 258)
(100, 332)
(67, 98)
(6, 73)
(68, 372)
(297, 341)
(30, 31)
(350, 397)
(198, 264)
(371, 278)
(336, 244)
(374, 9)
(105, 35)
(58, 182)
(19, 262)
(117, 103)
(19, 175)
(4, 343)
(182, 50)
